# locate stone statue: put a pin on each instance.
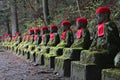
(106, 39)
(54, 36)
(82, 37)
(67, 36)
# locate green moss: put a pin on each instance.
(111, 73)
(88, 56)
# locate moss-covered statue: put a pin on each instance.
(82, 37)
(17, 41)
(67, 36)
(82, 41)
(54, 36)
(106, 41)
(28, 46)
(8, 39)
(37, 41)
(21, 46)
(45, 36)
(42, 46)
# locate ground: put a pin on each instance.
(13, 67)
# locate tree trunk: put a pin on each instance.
(46, 11)
(7, 26)
(77, 1)
(14, 17)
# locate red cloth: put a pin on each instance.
(37, 30)
(103, 9)
(31, 37)
(82, 20)
(31, 30)
(17, 33)
(79, 34)
(26, 37)
(43, 37)
(44, 28)
(63, 35)
(65, 22)
(100, 29)
(53, 26)
(35, 37)
(52, 36)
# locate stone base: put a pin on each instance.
(62, 66)
(40, 59)
(101, 58)
(81, 71)
(49, 61)
(111, 74)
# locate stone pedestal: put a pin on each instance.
(39, 56)
(101, 58)
(111, 74)
(50, 57)
(82, 71)
(63, 63)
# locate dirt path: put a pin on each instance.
(15, 68)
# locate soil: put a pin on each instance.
(13, 67)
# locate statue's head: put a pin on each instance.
(44, 29)
(81, 23)
(36, 30)
(65, 25)
(103, 14)
(31, 31)
(17, 33)
(53, 28)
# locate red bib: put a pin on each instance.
(43, 37)
(15, 38)
(31, 37)
(63, 35)
(100, 29)
(35, 37)
(26, 37)
(79, 34)
(52, 36)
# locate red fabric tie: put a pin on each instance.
(43, 37)
(100, 29)
(35, 37)
(63, 36)
(31, 37)
(52, 36)
(79, 34)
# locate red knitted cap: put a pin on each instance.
(37, 29)
(17, 33)
(65, 22)
(8, 34)
(44, 28)
(82, 20)
(103, 9)
(53, 26)
(31, 30)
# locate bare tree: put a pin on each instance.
(46, 11)
(14, 17)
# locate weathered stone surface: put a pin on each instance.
(63, 63)
(81, 71)
(101, 58)
(49, 58)
(111, 74)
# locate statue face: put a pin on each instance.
(53, 30)
(36, 32)
(80, 25)
(64, 27)
(44, 31)
(102, 17)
